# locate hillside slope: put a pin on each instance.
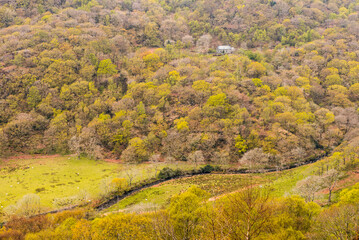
(137, 80)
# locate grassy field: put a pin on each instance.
(63, 177)
(160, 195)
(280, 184)
(149, 199)
(55, 177)
(52, 178)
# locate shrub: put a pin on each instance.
(168, 173)
(207, 169)
(27, 206)
(10, 234)
(28, 225)
(58, 218)
(119, 185)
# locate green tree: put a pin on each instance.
(151, 34)
(141, 110)
(337, 222)
(152, 61)
(217, 106)
(256, 70)
(122, 136)
(61, 72)
(217, 100)
(334, 79)
(7, 16)
(106, 68)
(119, 185)
(34, 97)
(354, 92)
(186, 213)
(240, 144)
(136, 151)
(123, 226)
(173, 78)
(293, 218)
(350, 196)
(181, 125)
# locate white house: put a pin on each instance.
(225, 49)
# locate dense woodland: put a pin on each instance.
(138, 80)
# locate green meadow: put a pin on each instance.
(54, 178)
(279, 183)
(160, 195)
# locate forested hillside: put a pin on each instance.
(140, 80)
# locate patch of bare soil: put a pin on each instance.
(28, 156)
(113, 160)
(13, 161)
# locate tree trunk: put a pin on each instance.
(330, 195)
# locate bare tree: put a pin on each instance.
(256, 158)
(203, 43)
(130, 174)
(188, 40)
(346, 118)
(221, 157)
(161, 223)
(338, 222)
(121, 44)
(298, 153)
(86, 143)
(75, 145)
(155, 160)
(174, 30)
(308, 187)
(210, 222)
(196, 158)
(329, 181)
(245, 215)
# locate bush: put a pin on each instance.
(207, 169)
(60, 217)
(10, 234)
(168, 173)
(27, 206)
(28, 225)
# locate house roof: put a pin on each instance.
(224, 47)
